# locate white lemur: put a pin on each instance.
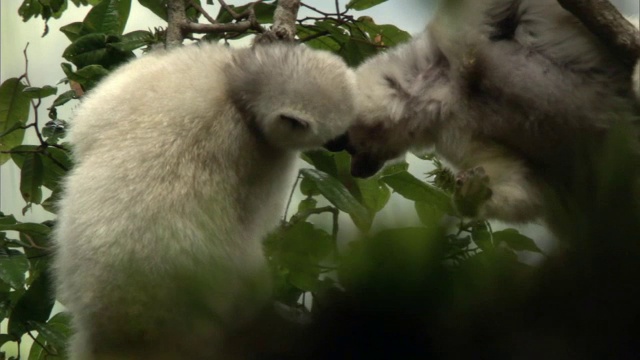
(503, 90)
(182, 160)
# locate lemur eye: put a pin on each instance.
(295, 123)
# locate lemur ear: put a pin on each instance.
(294, 123)
(338, 144)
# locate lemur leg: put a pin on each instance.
(497, 185)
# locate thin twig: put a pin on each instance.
(202, 11)
(293, 189)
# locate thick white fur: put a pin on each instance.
(182, 163)
(510, 86)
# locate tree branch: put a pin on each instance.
(605, 21)
(284, 23)
(241, 26)
(177, 20)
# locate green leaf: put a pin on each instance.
(363, 4)
(37, 233)
(73, 31)
(96, 49)
(482, 237)
(340, 197)
(34, 306)
(429, 214)
(133, 40)
(39, 93)
(5, 338)
(64, 98)
(109, 17)
(515, 240)
(414, 189)
(158, 7)
(29, 9)
(14, 112)
(305, 281)
(387, 35)
(322, 160)
(264, 13)
(374, 193)
(55, 333)
(13, 267)
(7, 219)
(88, 76)
(395, 168)
(317, 38)
(354, 51)
(54, 166)
(31, 178)
(308, 187)
(307, 204)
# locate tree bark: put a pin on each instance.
(284, 23)
(605, 21)
(176, 18)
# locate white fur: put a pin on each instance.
(510, 86)
(182, 164)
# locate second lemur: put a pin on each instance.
(504, 90)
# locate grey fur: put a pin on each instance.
(509, 86)
(183, 159)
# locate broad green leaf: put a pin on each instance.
(35, 233)
(374, 193)
(13, 266)
(56, 165)
(29, 9)
(7, 219)
(307, 204)
(414, 189)
(429, 214)
(95, 49)
(395, 168)
(158, 7)
(5, 338)
(31, 178)
(14, 111)
(43, 92)
(340, 197)
(363, 4)
(34, 306)
(109, 17)
(88, 77)
(73, 31)
(131, 41)
(354, 52)
(55, 333)
(64, 98)
(515, 240)
(482, 237)
(264, 13)
(308, 187)
(321, 160)
(305, 281)
(383, 35)
(317, 38)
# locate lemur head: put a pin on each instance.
(388, 112)
(401, 96)
(297, 98)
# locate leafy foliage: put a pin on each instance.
(442, 268)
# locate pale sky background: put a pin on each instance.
(44, 69)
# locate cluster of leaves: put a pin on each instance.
(305, 258)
